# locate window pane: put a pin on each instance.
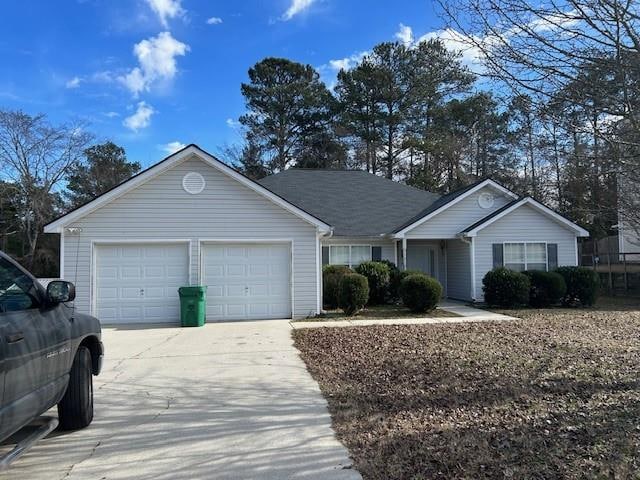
(514, 256)
(15, 288)
(536, 256)
(518, 267)
(536, 266)
(339, 255)
(360, 254)
(513, 253)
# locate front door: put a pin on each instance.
(423, 258)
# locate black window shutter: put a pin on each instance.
(552, 255)
(497, 255)
(376, 254)
(325, 255)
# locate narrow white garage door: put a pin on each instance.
(247, 281)
(139, 283)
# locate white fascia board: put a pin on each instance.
(486, 183)
(57, 225)
(580, 232)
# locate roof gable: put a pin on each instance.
(448, 201)
(472, 230)
(166, 164)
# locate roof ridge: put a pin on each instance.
(380, 177)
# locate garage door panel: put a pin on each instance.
(139, 283)
(247, 281)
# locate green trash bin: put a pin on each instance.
(193, 303)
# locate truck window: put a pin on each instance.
(17, 291)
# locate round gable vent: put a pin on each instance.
(485, 200)
(193, 183)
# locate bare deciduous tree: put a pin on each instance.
(35, 156)
(543, 49)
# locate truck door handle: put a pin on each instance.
(15, 337)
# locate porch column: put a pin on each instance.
(404, 253)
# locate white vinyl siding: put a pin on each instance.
(458, 270)
(525, 224)
(160, 209)
(454, 219)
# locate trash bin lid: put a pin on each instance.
(192, 291)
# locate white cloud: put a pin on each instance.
(296, 7)
(471, 55)
(231, 123)
(73, 83)
(166, 10)
(157, 62)
(111, 114)
(347, 62)
(141, 117)
(214, 21)
(172, 147)
(405, 34)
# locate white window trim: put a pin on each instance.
(350, 245)
(526, 263)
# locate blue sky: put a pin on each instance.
(153, 74)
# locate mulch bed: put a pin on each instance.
(554, 396)
(379, 312)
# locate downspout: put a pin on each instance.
(319, 235)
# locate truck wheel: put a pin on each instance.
(75, 410)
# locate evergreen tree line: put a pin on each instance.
(416, 114)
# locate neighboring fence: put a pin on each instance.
(619, 272)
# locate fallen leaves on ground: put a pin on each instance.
(556, 395)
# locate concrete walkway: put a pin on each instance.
(467, 314)
(226, 401)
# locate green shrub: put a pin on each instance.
(331, 276)
(394, 281)
(379, 277)
(505, 288)
(354, 293)
(547, 288)
(583, 285)
(419, 292)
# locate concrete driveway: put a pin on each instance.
(230, 400)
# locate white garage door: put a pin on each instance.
(247, 281)
(139, 283)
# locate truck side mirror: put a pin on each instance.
(59, 291)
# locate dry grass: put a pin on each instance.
(378, 312)
(554, 396)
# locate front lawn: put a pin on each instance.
(554, 396)
(378, 312)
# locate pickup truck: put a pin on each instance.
(48, 354)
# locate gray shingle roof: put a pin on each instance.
(353, 202)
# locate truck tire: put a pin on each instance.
(75, 410)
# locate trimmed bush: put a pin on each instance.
(394, 281)
(331, 276)
(354, 293)
(547, 288)
(583, 285)
(419, 292)
(379, 278)
(506, 288)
